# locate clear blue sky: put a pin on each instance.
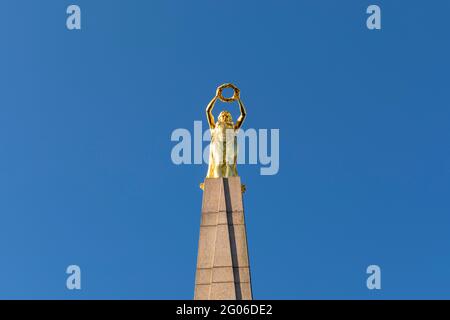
(86, 176)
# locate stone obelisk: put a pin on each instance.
(223, 271)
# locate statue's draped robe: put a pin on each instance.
(223, 151)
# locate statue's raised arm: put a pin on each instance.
(210, 106)
(241, 118)
(209, 115)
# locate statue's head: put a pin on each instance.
(225, 117)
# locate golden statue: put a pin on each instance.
(223, 150)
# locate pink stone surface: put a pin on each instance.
(222, 263)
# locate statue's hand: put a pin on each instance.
(237, 93)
